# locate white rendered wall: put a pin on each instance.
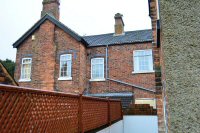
(134, 124)
(140, 124)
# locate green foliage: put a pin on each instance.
(9, 65)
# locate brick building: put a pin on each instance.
(53, 57)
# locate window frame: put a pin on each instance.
(136, 64)
(97, 79)
(65, 77)
(22, 68)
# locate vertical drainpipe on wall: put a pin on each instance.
(107, 66)
(107, 62)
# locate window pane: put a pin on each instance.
(26, 68)
(143, 63)
(69, 68)
(143, 60)
(97, 70)
(26, 61)
(65, 65)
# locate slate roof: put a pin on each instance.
(94, 40)
(111, 39)
(125, 97)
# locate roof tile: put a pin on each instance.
(111, 39)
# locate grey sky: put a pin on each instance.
(86, 17)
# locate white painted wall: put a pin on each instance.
(140, 124)
(114, 128)
(134, 124)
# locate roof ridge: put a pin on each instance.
(97, 34)
(113, 32)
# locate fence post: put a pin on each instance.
(109, 117)
(121, 111)
(80, 112)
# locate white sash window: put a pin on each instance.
(143, 61)
(26, 69)
(97, 69)
(65, 67)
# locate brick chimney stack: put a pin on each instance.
(119, 24)
(51, 7)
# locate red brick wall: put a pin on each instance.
(45, 52)
(83, 68)
(65, 44)
(120, 68)
(42, 52)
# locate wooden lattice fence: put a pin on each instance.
(37, 111)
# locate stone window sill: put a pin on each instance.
(141, 72)
(24, 80)
(65, 78)
(97, 80)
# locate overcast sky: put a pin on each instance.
(86, 17)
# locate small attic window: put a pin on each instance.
(33, 37)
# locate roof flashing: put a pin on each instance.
(119, 34)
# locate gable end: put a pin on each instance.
(53, 20)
